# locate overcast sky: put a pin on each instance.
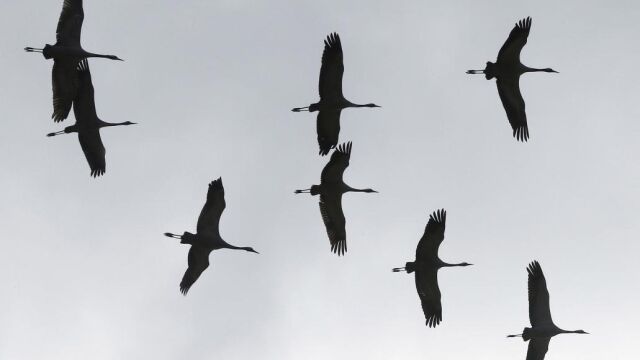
(86, 273)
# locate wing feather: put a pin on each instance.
(513, 103)
(93, 149)
(328, 129)
(64, 80)
(510, 51)
(209, 219)
(537, 348)
(330, 84)
(429, 293)
(433, 236)
(334, 170)
(334, 222)
(198, 259)
(539, 311)
(70, 23)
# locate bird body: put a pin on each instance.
(331, 189)
(426, 267)
(542, 327)
(207, 238)
(332, 101)
(88, 124)
(66, 53)
(507, 70)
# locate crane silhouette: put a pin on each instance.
(66, 54)
(507, 70)
(331, 99)
(426, 267)
(207, 237)
(87, 122)
(542, 327)
(330, 190)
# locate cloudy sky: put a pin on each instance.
(86, 273)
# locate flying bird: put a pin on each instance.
(426, 267)
(207, 237)
(542, 327)
(331, 99)
(507, 70)
(330, 190)
(87, 122)
(66, 54)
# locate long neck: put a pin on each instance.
(107, 124)
(444, 264)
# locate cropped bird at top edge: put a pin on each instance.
(331, 99)
(331, 189)
(66, 54)
(507, 70)
(207, 237)
(88, 123)
(426, 267)
(542, 327)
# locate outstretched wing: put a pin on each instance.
(64, 80)
(328, 129)
(70, 23)
(93, 149)
(429, 292)
(333, 217)
(198, 262)
(209, 218)
(513, 103)
(433, 235)
(330, 84)
(84, 105)
(510, 51)
(537, 348)
(333, 171)
(539, 311)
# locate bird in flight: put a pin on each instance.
(426, 267)
(542, 327)
(331, 99)
(330, 190)
(66, 54)
(87, 122)
(207, 237)
(507, 70)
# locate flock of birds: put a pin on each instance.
(72, 87)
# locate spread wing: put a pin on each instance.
(539, 312)
(510, 51)
(84, 105)
(333, 217)
(64, 80)
(328, 129)
(427, 286)
(93, 149)
(70, 23)
(333, 171)
(198, 262)
(209, 218)
(537, 348)
(513, 103)
(433, 235)
(330, 84)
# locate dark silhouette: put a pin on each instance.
(507, 70)
(207, 237)
(87, 122)
(426, 267)
(331, 189)
(331, 99)
(66, 54)
(542, 327)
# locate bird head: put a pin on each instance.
(372, 105)
(113, 57)
(128, 123)
(370, 191)
(250, 249)
(580, 332)
(465, 264)
(550, 70)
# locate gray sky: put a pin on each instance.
(86, 272)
